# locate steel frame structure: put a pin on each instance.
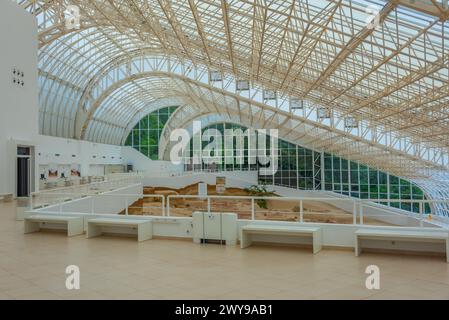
(385, 73)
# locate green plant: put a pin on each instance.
(260, 191)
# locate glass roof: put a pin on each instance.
(383, 65)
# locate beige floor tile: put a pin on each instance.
(44, 295)
(388, 295)
(140, 295)
(17, 293)
(351, 292)
(90, 295)
(33, 267)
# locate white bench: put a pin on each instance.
(34, 223)
(297, 231)
(401, 235)
(144, 227)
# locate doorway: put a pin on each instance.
(23, 172)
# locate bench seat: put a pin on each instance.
(299, 231)
(401, 235)
(74, 225)
(144, 227)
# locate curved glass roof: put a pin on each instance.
(367, 80)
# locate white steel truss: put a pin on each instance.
(386, 74)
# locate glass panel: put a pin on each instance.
(299, 167)
(146, 134)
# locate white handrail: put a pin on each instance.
(95, 197)
(116, 181)
(85, 189)
(360, 203)
(108, 181)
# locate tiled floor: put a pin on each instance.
(33, 267)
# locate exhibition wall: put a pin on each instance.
(89, 157)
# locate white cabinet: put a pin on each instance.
(215, 226)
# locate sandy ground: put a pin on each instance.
(277, 209)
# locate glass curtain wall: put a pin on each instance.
(145, 136)
(359, 181)
(298, 167)
(239, 159)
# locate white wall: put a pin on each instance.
(19, 108)
(67, 151)
(97, 170)
(19, 105)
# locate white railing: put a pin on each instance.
(42, 198)
(121, 176)
(360, 209)
(173, 173)
(98, 204)
(254, 199)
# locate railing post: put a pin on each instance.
(361, 213)
(208, 204)
(253, 214)
(421, 214)
(163, 206)
(126, 205)
(168, 205)
(301, 211)
(354, 213)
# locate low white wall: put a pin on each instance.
(104, 203)
(334, 235)
(342, 235)
(142, 163)
(162, 227)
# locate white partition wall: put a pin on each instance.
(19, 107)
(86, 154)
